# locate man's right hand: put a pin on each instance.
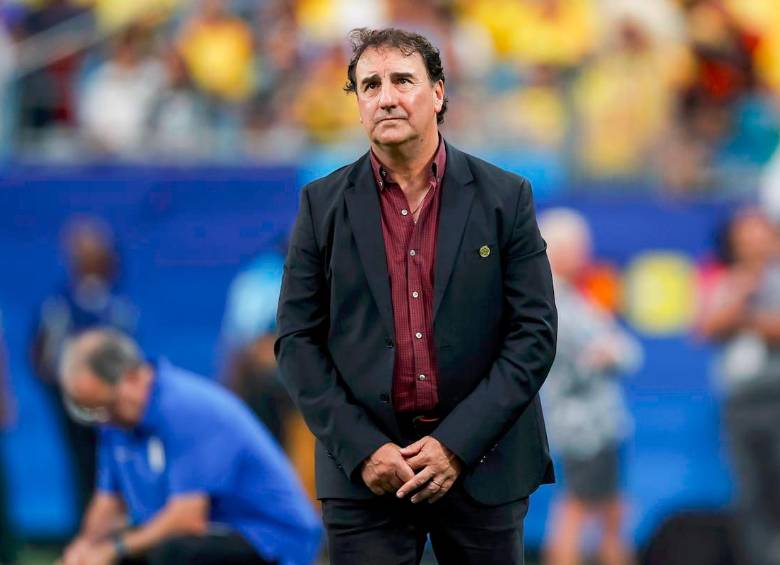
(74, 553)
(385, 471)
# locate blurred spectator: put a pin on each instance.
(535, 113)
(326, 113)
(325, 22)
(116, 14)
(761, 20)
(624, 97)
(200, 480)
(670, 90)
(177, 124)
(88, 299)
(538, 32)
(586, 413)
(707, 105)
(47, 95)
(248, 334)
(283, 73)
(7, 64)
(742, 312)
(770, 187)
(219, 51)
(8, 547)
(119, 98)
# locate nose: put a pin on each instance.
(387, 96)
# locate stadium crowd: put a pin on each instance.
(680, 93)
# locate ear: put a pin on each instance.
(438, 96)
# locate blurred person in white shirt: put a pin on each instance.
(587, 416)
(119, 98)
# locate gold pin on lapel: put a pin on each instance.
(484, 251)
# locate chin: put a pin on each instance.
(393, 138)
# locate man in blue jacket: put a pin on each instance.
(198, 478)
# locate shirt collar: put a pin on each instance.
(382, 174)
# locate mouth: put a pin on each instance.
(390, 119)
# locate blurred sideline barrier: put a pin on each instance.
(184, 233)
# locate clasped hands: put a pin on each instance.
(425, 469)
(81, 552)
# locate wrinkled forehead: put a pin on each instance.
(383, 60)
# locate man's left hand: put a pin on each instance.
(99, 554)
(436, 468)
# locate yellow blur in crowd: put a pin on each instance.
(625, 100)
(112, 14)
(219, 53)
(576, 72)
(559, 33)
(762, 17)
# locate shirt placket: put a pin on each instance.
(399, 203)
(421, 375)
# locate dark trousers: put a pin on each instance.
(754, 434)
(385, 530)
(209, 549)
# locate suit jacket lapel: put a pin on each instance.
(456, 198)
(364, 214)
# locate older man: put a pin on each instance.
(416, 326)
(198, 477)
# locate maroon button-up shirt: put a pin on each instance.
(410, 248)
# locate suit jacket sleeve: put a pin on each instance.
(344, 427)
(526, 354)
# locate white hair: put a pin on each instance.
(563, 225)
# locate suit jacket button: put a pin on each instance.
(483, 460)
(389, 343)
(384, 397)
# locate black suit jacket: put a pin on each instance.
(494, 328)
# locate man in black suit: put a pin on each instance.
(416, 325)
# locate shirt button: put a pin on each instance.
(412, 253)
(421, 377)
(418, 335)
(415, 294)
(404, 212)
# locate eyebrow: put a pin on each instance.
(393, 76)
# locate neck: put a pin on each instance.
(408, 161)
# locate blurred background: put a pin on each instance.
(151, 154)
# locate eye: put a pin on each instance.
(372, 85)
(404, 80)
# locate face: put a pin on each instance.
(91, 256)
(754, 240)
(396, 100)
(94, 400)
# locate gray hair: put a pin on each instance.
(105, 352)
